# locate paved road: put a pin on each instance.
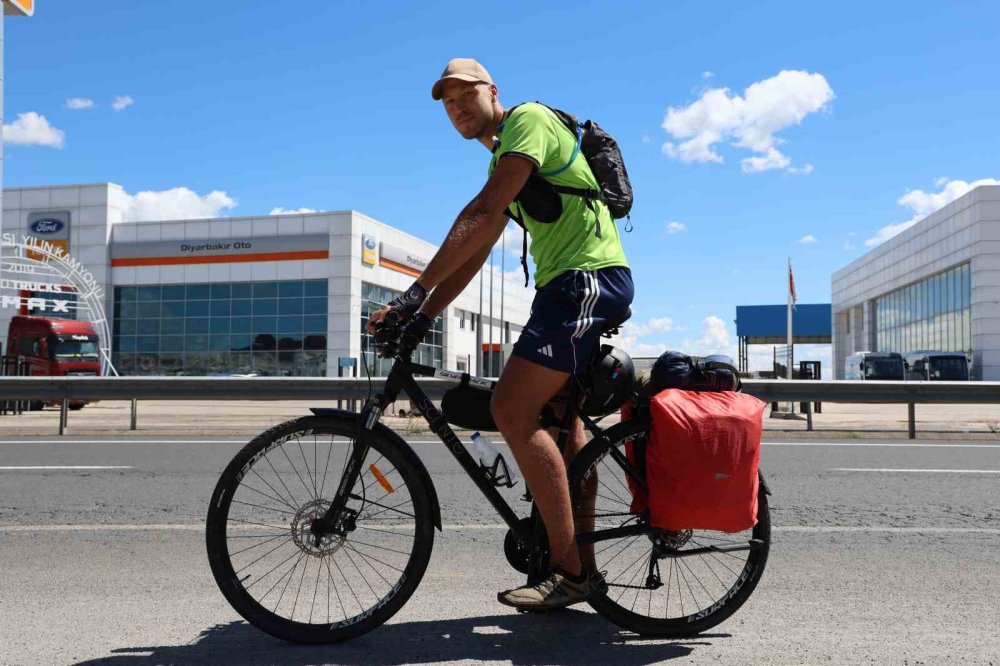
(884, 552)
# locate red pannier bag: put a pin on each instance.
(702, 458)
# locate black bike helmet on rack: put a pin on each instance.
(608, 382)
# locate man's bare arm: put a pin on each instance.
(481, 222)
(453, 285)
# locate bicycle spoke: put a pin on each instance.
(374, 558)
(299, 590)
(335, 590)
(365, 560)
(290, 574)
(615, 477)
(295, 469)
(312, 607)
(245, 567)
(305, 462)
(260, 578)
(265, 508)
(267, 459)
(349, 586)
(326, 467)
(276, 499)
(293, 504)
(386, 508)
(347, 551)
(355, 542)
(257, 545)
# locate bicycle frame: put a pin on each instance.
(402, 378)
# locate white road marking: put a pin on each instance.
(863, 444)
(919, 471)
(125, 441)
(890, 445)
(190, 527)
(63, 467)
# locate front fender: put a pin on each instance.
(389, 433)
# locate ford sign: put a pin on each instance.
(47, 226)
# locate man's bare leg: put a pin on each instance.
(584, 515)
(523, 390)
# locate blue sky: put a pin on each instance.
(746, 129)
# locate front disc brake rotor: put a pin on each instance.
(303, 537)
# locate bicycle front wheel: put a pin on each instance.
(659, 583)
(267, 562)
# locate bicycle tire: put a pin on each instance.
(733, 586)
(254, 469)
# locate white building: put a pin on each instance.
(274, 295)
(935, 286)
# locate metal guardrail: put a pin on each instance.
(65, 389)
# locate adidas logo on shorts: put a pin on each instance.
(545, 351)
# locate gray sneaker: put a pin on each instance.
(555, 591)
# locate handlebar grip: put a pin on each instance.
(391, 317)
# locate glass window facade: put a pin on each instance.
(933, 314)
(266, 328)
(430, 352)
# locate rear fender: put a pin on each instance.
(388, 433)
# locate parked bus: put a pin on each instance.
(937, 366)
(54, 347)
(874, 365)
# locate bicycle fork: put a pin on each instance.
(338, 519)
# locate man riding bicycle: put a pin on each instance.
(582, 282)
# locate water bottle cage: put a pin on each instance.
(498, 474)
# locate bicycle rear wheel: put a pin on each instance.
(660, 583)
(266, 561)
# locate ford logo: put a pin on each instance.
(369, 243)
(47, 226)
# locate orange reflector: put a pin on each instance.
(380, 477)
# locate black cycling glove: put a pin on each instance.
(415, 329)
(406, 305)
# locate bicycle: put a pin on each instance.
(376, 520)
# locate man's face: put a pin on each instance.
(469, 106)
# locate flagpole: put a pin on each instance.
(788, 355)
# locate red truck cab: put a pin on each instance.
(54, 347)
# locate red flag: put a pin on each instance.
(791, 284)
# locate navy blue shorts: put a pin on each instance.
(569, 313)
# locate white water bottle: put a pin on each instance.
(489, 456)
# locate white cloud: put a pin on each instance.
(646, 138)
(924, 203)
(121, 101)
(32, 129)
(772, 160)
(79, 103)
(628, 338)
(807, 240)
(751, 121)
(675, 227)
(707, 75)
(179, 203)
(714, 339)
(654, 325)
(803, 171)
(290, 211)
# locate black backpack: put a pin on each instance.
(694, 373)
(540, 198)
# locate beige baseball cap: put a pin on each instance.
(463, 69)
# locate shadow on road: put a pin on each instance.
(570, 637)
